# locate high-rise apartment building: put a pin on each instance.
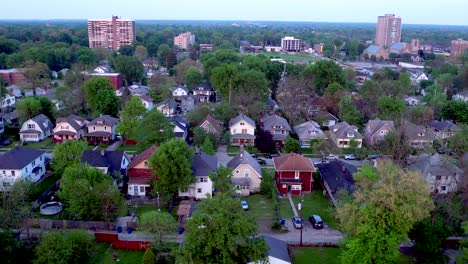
(388, 30)
(458, 46)
(111, 33)
(291, 44)
(184, 40)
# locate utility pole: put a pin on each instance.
(299, 206)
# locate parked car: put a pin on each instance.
(272, 155)
(297, 222)
(316, 221)
(254, 155)
(350, 157)
(245, 205)
(332, 157)
(373, 156)
(261, 161)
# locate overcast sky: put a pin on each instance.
(445, 12)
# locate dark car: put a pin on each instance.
(261, 161)
(272, 155)
(316, 221)
(254, 155)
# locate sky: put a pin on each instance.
(442, 12)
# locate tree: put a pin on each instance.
(332, 96)
(15, 205)
(292, 145)
(264, 141)
(193, 77)
(172, 164)
(158, 223)
(421, 114)
(225, 78)
(149, 257)
(109, 103)
(208, 147)
(396, 144)
(130, 67)
(67, 153)
(37, 73)
(89, 194)
(182, 68)
(221, 232)
(153, 129)
(457, 111)
(141, 52)
(374, 219)
(91, 88)
(127, 50)
(326, 72)
(222, 179)
(198, 114)
(267, 186)
(391, 107)
(200, 135)
(30, 107)
(435, 98)
(428, 236)
(348, 111)
(133, 110)
(458, 143)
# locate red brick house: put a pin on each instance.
(293, 174)
(13, 76)
(140, 174)
(115, 78)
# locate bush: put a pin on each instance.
(149, 257)
(267, 187)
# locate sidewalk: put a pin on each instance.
(292, 205)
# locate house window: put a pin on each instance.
(438, 177)
(234, 131)
(105, 128)
(284, 185)
(31, 126)
(242, 123)
(295, 187)
(443, 188)
(350, 135)
(199, 190)
(12, 173)
(244, 131)
(246, 173)
(421, 134)
(94, 127)
(296, 175)
(4, 172)
(26, 169)
(142, 189)
(34, 163)
(146, 163)
(383, 132)
(203, 179)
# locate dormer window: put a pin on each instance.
(31, 126)
(350, 134)
(421, 134)
(384, 132)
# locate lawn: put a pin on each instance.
(44, 144)
(41, 187)
(146, 208)
(103, 255)
(316, 203)
(260, 207)
(285, 208)
(326, 255)
(233, 149)
(132, 148)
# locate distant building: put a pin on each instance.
(184, 40)
(458, 46)
(13, 76)
(116, 79)
(291, 44)
(388, 30)
(111, 33)
(206, 47)
(318, 48)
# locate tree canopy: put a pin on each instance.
(153, 129)
(158, 223)
(92, 87)
(129, 117)
(131, 68)
(67, 153)
(30, 107)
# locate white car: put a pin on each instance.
(332, 157)
(244, 205)
(349, 157)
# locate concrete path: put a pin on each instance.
(292, 205)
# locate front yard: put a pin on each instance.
(44, 144)
(260, 207)
(316, 203)
(285, 208)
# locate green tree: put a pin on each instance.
(391, 107)
(200, 135)
(221, 232)
(374, 219)
(396, 144)
(30, 107)
(132, 111)
(193, 77)
(457, 111)
(157, 223)
(325, 73)
(316, 144)
(127, 50)
(267, 186)
(91, 89)
(464, 245)
(458, 143)
(67, 153)
(172, 164)
(130, 67)
(208, 147)
(435, 98)
(225, 78)
(37, 73)
(153, 129)
(141, 52)
(428, 236)
(149, 257)
(222, 179)
(109, 103)
(292, 145)
(15, 205)
(88, 194)
(348, 111)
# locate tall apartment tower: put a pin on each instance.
(388, 30)
(111, 33)
(458, 46)
(184, 40)
(291, 44)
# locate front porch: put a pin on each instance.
(242, 141)
(59, 138)
(98, 140)
(290, 186)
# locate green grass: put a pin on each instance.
(103, 255)
(285, 208)
(41, 187)
(316, 203)
(146, 208)
(233, 149)
(128, 148)
(45, 144)
(326, 255)
(260, 207)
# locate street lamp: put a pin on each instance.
(300, 207)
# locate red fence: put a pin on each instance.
(121, 244)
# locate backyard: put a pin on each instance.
(103, 255)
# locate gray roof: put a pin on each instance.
(372, 49)
(417, 132)
(111, 159)
(278, 248)
(182, 87)
(216, 124)
(203, 164)
(180, 122)
(435, 164)
(375, 125)
(72, 121)
(443, 125)
(241, 117)
(398, 46)
(17, 158)
(105, 119)
(338, 175)
(304, 131)
(245, 158)
(341, 130)
(41, 120)
(270, 121)
(170, 102)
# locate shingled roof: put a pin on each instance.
(216, 124)
(145, 155)
(100, 158)
(270, 121)
(72, 121)
(40, 121)
(245, 158)
(293, 162)
(341, 130)
(241, 117)
(203, 164)
(338, 175)
(105, 119)
(18, 158)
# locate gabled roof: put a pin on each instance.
(72, 121)
(244, 157)
(203, 164)
(338, 175)
(216, 124)
(179, 121)
(270, 121)
(278, 249)
(375, 125)
(111, 159)
(372, 49)
(40, 120)
(443, 125)
(145, 98)
(341, 130)
(413, 132)
(106, 119)
(241, 117)
(145, 155)
(398, 46)
(169, 102)
(181, 87)
(17, 158)
(302, 130)
(435, 164)
(293, 162)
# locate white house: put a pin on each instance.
(8, 101)
(36, 129)
(181, 126)
(242, 130)
(180, 92)
(147, 102)
(246, 173)
(168, 107)
(412, 100)
(202, 165)
(21, 164)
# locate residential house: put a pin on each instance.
(202, 165)
(103, 69)
(111, 162)
(36, 129)
(246, 173)
(308, 131)
(205, 93)
(211, 125)
(418, 136)
(342, 134)
(461, 96)
(8, 101)
(293, 174)
(180, 92)
(278, 252)
(71, 127)
(316, 106)
(278, 127)
(440, 172)
(168, 107)
(140, 174)
(21, 164)
(412, 100)
(336, 176)
(181, 126)
(443, 129)
(272, 104)
(242, 130)
(147, 102)
(420, 77)
(101, 130)
(325, 119)
(187, 104)
(376, 130)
